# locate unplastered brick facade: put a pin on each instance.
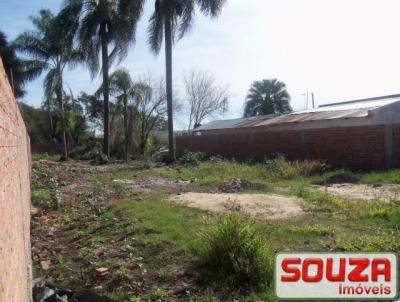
(15, 268)
(361, 147)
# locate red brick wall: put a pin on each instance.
(287, 143)
(396, 146)
(354, 147)
(49, 148)
(15, 269)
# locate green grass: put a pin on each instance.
(160, 221)
(46, 197)
(40, 156)
(151, 238)
(377, 177)
(212, 173)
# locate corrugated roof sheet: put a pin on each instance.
(350, 109)
(371, 103)
(315, 116)
(233, 123)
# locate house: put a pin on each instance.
(359, 134)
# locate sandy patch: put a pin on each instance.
(363, 192)
(260, 205)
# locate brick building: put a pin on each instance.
(15, 255)
(363, 134)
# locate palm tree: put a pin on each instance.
(50, 48)
(121, 88)
(168, 16)
(103, 23)
(267, 97)
(15, 68)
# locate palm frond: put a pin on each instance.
(267, 97)
(33, 68)
(156, 28)
(126, 19)
(120, 82)
(187, 16)
(31, 43)
(43, 20)
(90, 43)
(50, 83)
(211, 8)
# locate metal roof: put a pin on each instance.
(370, 103)
(384, 98)
(234, 123)
(343, 110)
(315, 116)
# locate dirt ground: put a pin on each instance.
(387, 192)
(120, 217)
(260, 205)
(149, 183)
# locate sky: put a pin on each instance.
(337, 49)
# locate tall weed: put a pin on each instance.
(233, 253)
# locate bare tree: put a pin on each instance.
(150, 103)
(204, 96)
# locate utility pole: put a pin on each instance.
(307, 101)
(312, 98)
(305, 95)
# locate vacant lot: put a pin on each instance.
(142, 221)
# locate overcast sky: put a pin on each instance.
(338, 49)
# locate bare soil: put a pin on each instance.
(236, 185)
(385, 192)
(149, 183)
(259, 205)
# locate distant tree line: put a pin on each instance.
(98, 34)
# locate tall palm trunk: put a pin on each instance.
(142, 137)
(50, 118)
(106, 88)
(168, 64)
(59, 95)
(126, 130)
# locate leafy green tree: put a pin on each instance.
(15, 67)
(169, 16)
(267, 97)
(75, 120)
(103, 23)
(36, 124)
(50, 49)
(93, 108)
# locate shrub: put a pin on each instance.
(48, 198)
(162, 156)
(88, 151)
(279, 167)
(216, 159)
(192, 158)
(232, 252)
(78, 152)
(157, 294)
(40, 156)
(100, 159)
